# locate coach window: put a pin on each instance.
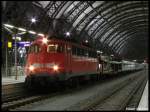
(78, 51)
(90, 53)
(86, 53)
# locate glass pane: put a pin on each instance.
(52, 48)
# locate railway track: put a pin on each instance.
(22, 97)
(120, 98)
(12, 92)
(17, 91)
(16, 103)
(13, 103)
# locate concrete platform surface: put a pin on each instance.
(143, 105)
(12, 80)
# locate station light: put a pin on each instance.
(112, 55)
(21, 33)
(33, 20)
(67, 33)
(9, 44)
(10, 26)
(17, 38)
(32, 32)
(40, 34)
(98, 51)
(86, 41)
(22, 29)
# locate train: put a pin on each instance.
(54, 60)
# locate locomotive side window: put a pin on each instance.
(34, 49)
(37, 48)
(60, 48)
(83, 52)
(73, 50)
(31, 49)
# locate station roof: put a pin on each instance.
(115, 27)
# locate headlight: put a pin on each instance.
(55, 67)
(99, 65)
(31, 68)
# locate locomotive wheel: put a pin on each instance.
(76, 82)
(42, 83)
(71, 83)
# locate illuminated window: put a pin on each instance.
(55, 48)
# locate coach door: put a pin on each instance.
(68, 59)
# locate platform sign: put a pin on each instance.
(9, 44)
(22, 44)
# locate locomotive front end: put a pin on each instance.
(45, 63)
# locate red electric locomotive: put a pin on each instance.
(58, 60)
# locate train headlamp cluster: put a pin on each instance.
(31, 68)
(53, 66)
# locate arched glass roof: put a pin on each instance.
(109, 24)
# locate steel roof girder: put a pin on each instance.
(125, 35)
(115, 23)
(123, 38)
(95, 31)
(106, 30)
(121, 29)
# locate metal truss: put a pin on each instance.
(108, 24)
(131, 19)
(125, 35)
(124, 27)
(105, 26)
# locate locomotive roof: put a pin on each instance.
(38, 39)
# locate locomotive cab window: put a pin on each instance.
(53, 48)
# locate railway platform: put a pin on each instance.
(12, 80)
(143, 105)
